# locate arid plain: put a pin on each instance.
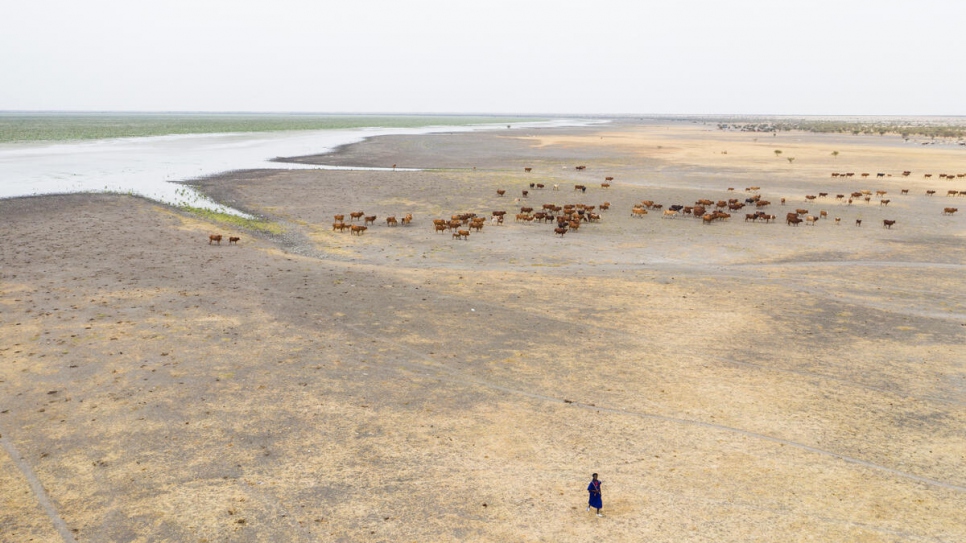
(734, 381)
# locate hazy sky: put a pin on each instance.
(671, 56)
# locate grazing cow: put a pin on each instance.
(904, 191)
(880, 175)
(822, 194)
(801, 211)
(233, 240)
(391, 221)
(793, 220)
(527, 169)
(540, 185)
(811, 220)
(340, 226)
(605, 185)
(407, 219)
(951, 193)
(927, 175)
(906, 173)
(858, 222)
(839, 196)
(580, 168)
(834, 174)
(886, 223)
(751, 217)
(884, 202)
(731, 189)
(369, 219)
(340, 218)
(581, 188)
(440, 228)
(357, 230)
(880, 193)
(950, 210)
(865, 175)
(810, 196)
(930, 192)
(500, 192)
(560, 231)
(214, 238)
(356, 215)
(462, 234)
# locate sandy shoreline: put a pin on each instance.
(730, 382)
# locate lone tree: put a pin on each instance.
(835, 154)
(791, 159)
(778, 152)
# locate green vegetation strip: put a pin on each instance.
(255, 225)
(24, 127)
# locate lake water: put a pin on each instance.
(147, 166)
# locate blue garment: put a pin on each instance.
(594, 489)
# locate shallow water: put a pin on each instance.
(150, 166)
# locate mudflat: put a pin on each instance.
(730, 381)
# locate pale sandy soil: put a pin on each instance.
(730, 382)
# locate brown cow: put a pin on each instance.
(858, 222)
(500, 192)
(930, 192)
(580, 168)
(560, 231)
(370, 219)
(886, 223)
(904, 191)
(233, 240)
(440, 228)
(391, 221)
(884, 202)
(357, 230)
(792, 220)
(356, 215)
(950, 210)
(340, 218)
(462, 234)
(605, 185)
(528, 169)
(340, 226)
(214, 238)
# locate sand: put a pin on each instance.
(730, 382)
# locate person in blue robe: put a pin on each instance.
(595, 500)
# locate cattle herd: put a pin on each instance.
(569, 217)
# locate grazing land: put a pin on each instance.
(729, 380)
